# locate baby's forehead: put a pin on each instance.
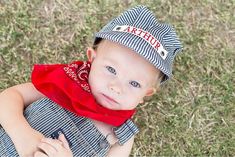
(116, 51)
(127, 60)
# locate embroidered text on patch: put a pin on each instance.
(144, 35)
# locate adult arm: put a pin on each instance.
(13, 100)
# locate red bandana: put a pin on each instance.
(67, 85)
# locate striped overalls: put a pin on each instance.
(83, 137)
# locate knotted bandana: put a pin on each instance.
(67, 85)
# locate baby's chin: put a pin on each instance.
(102, 101)
(108, 106)
(114, 108)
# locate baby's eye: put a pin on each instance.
(111, 69)
(135, 84)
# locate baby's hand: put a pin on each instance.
(54, 148)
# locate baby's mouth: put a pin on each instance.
(110, 99)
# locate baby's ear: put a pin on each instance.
(150, 91)
(91, 54)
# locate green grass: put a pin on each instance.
(192, 115)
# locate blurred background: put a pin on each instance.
(192, 115)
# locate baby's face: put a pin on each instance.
(119, 77)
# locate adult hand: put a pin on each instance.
(54, 148)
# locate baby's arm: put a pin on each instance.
(13, 100)
(123, 151)
(60, 147)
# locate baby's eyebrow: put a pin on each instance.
(110, 60)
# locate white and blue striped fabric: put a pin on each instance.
(144, 30)
(84, 139)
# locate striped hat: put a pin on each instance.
(139, 30)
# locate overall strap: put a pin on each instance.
(125, 131)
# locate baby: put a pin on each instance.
(85, 107)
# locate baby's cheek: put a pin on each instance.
(131, 101)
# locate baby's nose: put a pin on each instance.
(115, 88)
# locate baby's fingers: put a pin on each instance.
(50, 146)
(64, 141)
(39, 154)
